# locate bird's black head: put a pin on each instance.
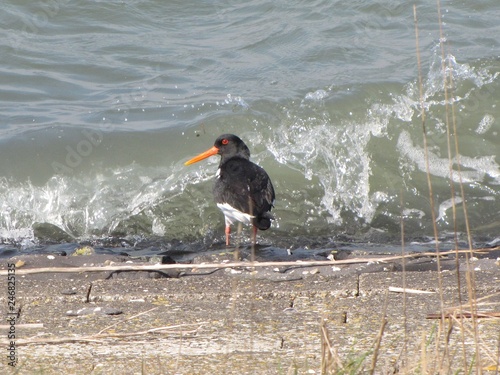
(229, 145)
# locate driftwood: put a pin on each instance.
(298, 263)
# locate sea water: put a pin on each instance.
(101, 103)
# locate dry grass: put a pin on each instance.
(446, 348)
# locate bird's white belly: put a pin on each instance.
(231, 214)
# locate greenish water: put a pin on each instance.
(102, 102)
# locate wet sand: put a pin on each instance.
(240, 320)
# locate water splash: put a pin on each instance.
(94, 205)
(331, 155)
(465, 78)
(337, 157)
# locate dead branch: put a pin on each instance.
(158, 267)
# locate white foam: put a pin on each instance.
(316, 95)
(478, 167)
(445, 206)
(413, 213)
(485, 124)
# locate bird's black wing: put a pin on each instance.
(262, 191)
(245, 186)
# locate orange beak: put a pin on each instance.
(213, 151)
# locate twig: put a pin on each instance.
(132, 317)
(378, 340)
(467, 315)
(25, 325)
(404, 352)
(87, 297)
(327, 362)
(101, 337)
(153, 330)
(396, 289)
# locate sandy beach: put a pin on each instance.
(237, 320)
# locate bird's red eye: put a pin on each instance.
(225, 141)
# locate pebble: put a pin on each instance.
(84, 250)
(314, 271)
(68, 292)
(311, 271)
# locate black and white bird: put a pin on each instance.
(243, 191)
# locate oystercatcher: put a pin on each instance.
(243, 191)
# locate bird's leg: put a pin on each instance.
(254, 237)
(228, 232)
